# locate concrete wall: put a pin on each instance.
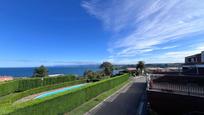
(174, 104)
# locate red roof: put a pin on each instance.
(6, 78)
(131, 69)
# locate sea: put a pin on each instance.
(28, 71)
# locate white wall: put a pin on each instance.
(202, 56)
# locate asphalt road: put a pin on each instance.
(125, 102)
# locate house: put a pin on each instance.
(194, 64)
(197, 58)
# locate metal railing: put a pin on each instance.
(188, 89)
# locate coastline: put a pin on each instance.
(28, 71)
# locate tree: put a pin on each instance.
(107, 68)
(99, 75)
(90, 75)
(40, 72)
(140, 67)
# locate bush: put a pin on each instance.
(14, 97)
(25, 84)
(65, 102)
(8, 87)
(19, 85)
(59, 79)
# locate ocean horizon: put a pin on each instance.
(28, 71)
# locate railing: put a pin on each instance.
(186, 89)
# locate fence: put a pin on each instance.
(181, 86)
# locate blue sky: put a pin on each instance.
(63, 32)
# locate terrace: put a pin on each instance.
(176, 94)
(185, 85)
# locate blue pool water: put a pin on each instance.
(59, 91)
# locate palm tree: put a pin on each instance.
(140, 67)
(107, 68)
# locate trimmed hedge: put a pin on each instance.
(14, 97)
(19, 85)
(65, 102)
(25, 84)
(28, 83)
(8, 87)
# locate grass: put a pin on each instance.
(95, 101)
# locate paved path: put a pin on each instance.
(125, 102)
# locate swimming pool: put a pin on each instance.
(58, 91)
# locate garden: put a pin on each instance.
(12, 91)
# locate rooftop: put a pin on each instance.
(5, 78)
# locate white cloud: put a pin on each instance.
(147, 23)
(168, 47)
(179, 56)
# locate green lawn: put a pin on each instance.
(93, 102)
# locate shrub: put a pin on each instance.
(25, 84)
(14, 97)
(59, 79)
(65, 102)
(19, 85)
(8, 87)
